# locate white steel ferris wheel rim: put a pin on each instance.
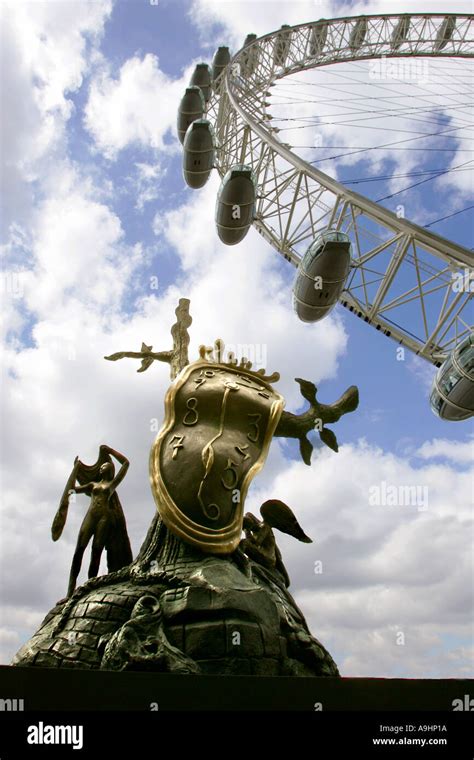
(239, 111)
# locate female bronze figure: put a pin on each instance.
(104, 521)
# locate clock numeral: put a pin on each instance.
(241, 450)
(177, 446)
(232, 469)
(212, 511)
(254, 434)
(192, 415)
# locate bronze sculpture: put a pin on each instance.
(197, 598)
(104, 521)
(259, 542)
(220, 417)
(141, 642)
(299, 425)
(219, 420)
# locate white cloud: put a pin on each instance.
(455, 451)
(148, 183)
(385, 569)
(241, 17)
(139, 107)
(47, 49)
(73, 259)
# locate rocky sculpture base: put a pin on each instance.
(176, 609)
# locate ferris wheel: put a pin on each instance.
(403, 279)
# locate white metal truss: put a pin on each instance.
(404, 277)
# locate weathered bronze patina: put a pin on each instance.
(197, 598)
(104, 521)
(259, 542)
(219, 422)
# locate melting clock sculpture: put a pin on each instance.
(199, 597)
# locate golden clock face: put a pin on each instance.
(219, 422)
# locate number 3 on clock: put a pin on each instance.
(254, 433)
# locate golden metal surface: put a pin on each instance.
(224, 539)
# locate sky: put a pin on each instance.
(95, 213)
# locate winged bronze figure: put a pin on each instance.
(259, 543)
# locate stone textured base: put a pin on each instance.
(176, 609)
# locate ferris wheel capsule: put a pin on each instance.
(199, 153)
(281, 46)
(249, 59)
(318, 37)
(219, 62)
(445, 32)
(235, 207)
(452, 394)
(400, 32)
(191, 107)
(321, 276)
(202, 78)
(358, 34)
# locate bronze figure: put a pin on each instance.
(259, 543)
(141, 643)
(104, 521)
